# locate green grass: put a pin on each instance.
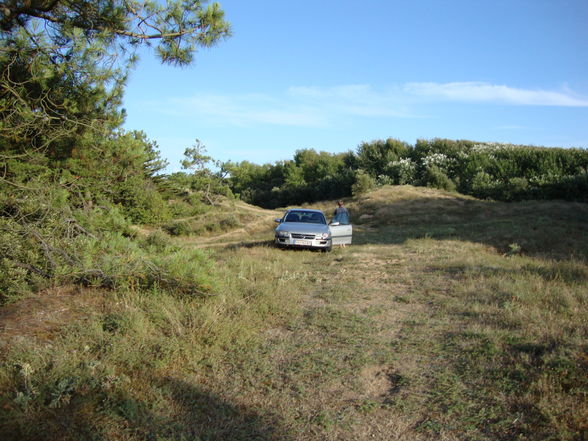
(449, 318)
(509, 339)
(119, 372)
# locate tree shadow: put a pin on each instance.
(205, 416)
(252, 244)
(183, 412)
(567, 272)
(552, 229)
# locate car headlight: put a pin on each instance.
(283, 234)
(322, 236)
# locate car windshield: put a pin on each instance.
(309, 217)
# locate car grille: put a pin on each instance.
(302, 236)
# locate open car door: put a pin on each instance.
(341, 234)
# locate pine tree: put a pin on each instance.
(63, 63)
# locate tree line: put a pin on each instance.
(504, 172)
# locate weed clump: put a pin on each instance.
(178, 228)
(158, 239)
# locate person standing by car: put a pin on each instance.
(341, 214)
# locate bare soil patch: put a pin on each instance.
(379, 381)
(39, 317)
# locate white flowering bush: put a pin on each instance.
(439, 160)
(491, 147)
(502, 171)
(382, 180)
(403, 171)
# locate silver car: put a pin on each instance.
(306, 228)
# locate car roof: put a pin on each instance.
(308, 210)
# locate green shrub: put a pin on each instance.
(178, 228)
(29, 258)
(109, 218)
(384, 180)
(142, 203)
(115, 261)
(363, 183)
(158, 239)
(573, 188)
(15, 282)
(434, 177)
(515, 189)
(230, 222)
(188, 272)
(484, 186)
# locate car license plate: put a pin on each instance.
(303, 242)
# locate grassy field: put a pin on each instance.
(450, 318)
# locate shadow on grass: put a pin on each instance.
(253, 244)
(269, 244)
(568, 272)
(181, 412)
(552, 229)
(209, 417)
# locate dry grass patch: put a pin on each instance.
(42, 316)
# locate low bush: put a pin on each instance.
(178, 228)
(230, 222)
(158, 239)
(363, 183)
(143, 204)
(434, 177)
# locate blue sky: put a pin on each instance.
(329, 74)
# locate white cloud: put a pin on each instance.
(296, 106)
(331, 106)
(244, 110)
(355, 100)
(486, 92)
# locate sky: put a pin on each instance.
(331, 74)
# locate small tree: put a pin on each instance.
(434, 177)
(204, 179)
(363, 183)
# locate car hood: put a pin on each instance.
(299, 227)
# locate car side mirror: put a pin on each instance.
(334, 224)
(278, 220)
